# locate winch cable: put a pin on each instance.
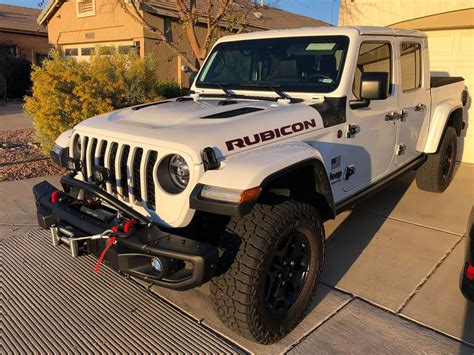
(112, 234)
(112, 241)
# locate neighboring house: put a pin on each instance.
(449, 25)
(20, 35)
(77, 26)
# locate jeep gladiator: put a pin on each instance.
(281, 131)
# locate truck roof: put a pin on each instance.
(325, 30)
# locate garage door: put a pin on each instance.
(452, 52)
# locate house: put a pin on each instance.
(449, 25)
(76, 27)
(20, 35)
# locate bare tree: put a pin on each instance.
(217, 16)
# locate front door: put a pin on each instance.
(370, 149)
(413, 97)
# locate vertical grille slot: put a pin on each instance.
(85, 141)
(150, 183)
(100, 157)
(91, 157)
(124, 170)
(113, 155)
(136, 174)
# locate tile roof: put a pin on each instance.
(259, 17)
(21, 19)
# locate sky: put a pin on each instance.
(326, 10)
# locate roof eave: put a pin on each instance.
(49, 12)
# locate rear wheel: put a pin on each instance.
(438, 170)
(271, 265)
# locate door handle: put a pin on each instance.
(396, 115)
(420, 107)
(391, 116)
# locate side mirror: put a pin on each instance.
(373, 86)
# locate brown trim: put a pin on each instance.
(24, 32)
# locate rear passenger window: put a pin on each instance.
(373, 57)
(410, 57)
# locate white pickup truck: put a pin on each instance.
(231, 184)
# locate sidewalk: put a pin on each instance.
(12, 117)
(390, 283)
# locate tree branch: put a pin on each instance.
(140, 19)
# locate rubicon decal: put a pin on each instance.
(269, 135)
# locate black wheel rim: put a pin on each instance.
(448, 159)
(288, 272)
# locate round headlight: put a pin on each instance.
(179, 171)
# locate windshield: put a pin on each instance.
(298, 64)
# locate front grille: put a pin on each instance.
(134, 166)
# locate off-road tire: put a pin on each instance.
(430, 176)
(248, 246)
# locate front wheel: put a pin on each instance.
(270, 268)
(438, 170)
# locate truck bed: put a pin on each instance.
(437, 81)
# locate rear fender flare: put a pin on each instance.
(438, 124)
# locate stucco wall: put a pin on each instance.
(388, 12)
(27, 44)
(111, 23)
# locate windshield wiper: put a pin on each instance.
(275, 88)
(223, 87)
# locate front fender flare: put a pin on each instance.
(259, 168)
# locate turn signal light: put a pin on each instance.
(470, 273)
(230, 195)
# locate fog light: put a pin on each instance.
(157, 265)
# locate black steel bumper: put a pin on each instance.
(467, 283)
(186, 263)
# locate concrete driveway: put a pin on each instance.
(390, 283)
(12, 117)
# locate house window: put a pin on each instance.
(87, 51)
(410, 54)
(373, 57)
(71, 52)
(85, 8)
(40, 57)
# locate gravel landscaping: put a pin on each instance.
(21, 156)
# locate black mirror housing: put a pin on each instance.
(374, 86)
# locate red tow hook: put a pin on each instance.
(55, 196)
(470, 273)
(128, 225)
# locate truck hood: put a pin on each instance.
(190, 125)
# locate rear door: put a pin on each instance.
(413, 96)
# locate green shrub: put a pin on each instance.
(169, 89)
(66, 92)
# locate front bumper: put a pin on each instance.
(185, 263)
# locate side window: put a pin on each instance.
(410, 58)
(373, 57)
